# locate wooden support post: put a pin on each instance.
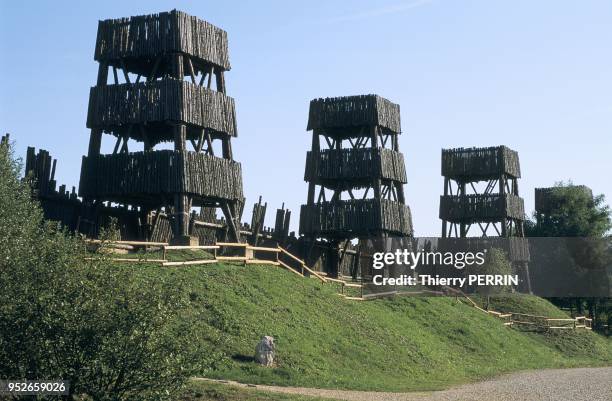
(182, 206)
(220, 78)
(376, 181)
(228, 211)
(333, 260)
(117, 143)
(182, 203)
(502, 192)
(446, 183)
(344, 248)
(95, 143)
(191, 71)
(125, 72)
(180, 135)
(462, 226)
(95, 138)
(178, 71)
(227, 148)
(314, 167)
(211, 151)
(210, 74)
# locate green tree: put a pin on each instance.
(114, 332)
(496, 263)
(574, 212)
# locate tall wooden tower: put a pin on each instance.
(355, 172)
(167, 85)
(481, 198)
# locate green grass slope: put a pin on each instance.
(399, 344)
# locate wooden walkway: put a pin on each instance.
(242, 253)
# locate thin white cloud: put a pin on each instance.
(392, 9)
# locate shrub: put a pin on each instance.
(113, 332)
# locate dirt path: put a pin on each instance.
(582, 384)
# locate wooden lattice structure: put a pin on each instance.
(354, 170)
(167, 85)
(481, 199)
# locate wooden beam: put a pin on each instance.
(125, 72)
(191, 71)
(212, 71)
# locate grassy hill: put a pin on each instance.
(399, 344)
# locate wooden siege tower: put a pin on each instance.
(355, 172)
(481, 199)
(167, 84)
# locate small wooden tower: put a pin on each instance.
(481, 194)
(167, 85)
(355, 172)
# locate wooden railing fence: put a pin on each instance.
(246, 254)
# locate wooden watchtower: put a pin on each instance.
(355, 172)
(167, 84)
(481, 199)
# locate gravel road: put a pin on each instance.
(582, 384)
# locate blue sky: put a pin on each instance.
(533, 75)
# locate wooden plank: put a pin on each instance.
(527, 323)
(262, 262)
(135, 243)
(135, 260)
(559, 320)
(171, 247)
(292, 256)
(290, 269)
(535, 316)
(263, 249)
(190, 262)
(314, 273)
(232, 258)
(380, 295)
(232, 244)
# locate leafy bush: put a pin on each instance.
(496, 263)
(112, 332)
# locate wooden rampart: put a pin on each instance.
(140, 175)
(112, 106)
(481, 208)
(358, 217)
(361, 165)
(148, 36)
(480, 163)
(350, 111)
(517, 248)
